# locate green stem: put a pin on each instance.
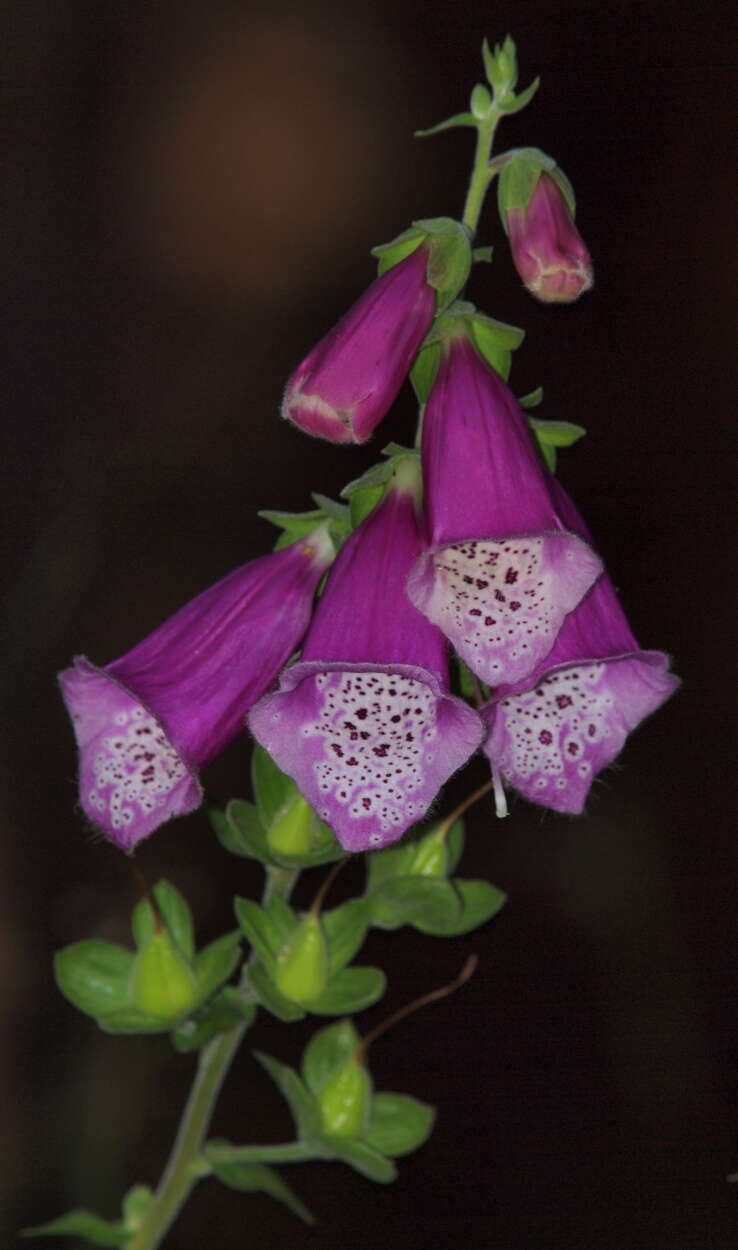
(186, 1165)
(482, 174)
(289, 1152)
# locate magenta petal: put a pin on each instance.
(502, 570)
(347, 383)
(149, 721)
(131, 777)
(368, 745)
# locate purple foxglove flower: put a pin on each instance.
(147, 723)
(345, 386)
(551, 734)
(502, 570)
(547, 249)
(364, 722)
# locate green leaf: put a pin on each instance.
(459, 119)
(418, 901)
(295, 525)
(482, 255)
(449, 262)
(304, 1108)
(557, 433)
(480, 102)
(270, 997)
(220, 1014)
(176, 913)
(348, 991)
(548, 452)
(82, 1223)
(345, 928)
(337, 512)
(240, 831)
(136, 1204)
(495, 341)
(455, 844)
(253, 1178)
(129, 1020)
(272, 787)
(398, 1124)
(403, 245)
(282, 917)
(94, 975)
(265, 937)
(480, 901)
(327, 1051)
(517, 102)
(363, 1158)
(215, 963)
(395, 861)
(364, 501)
(532, 399)
(424, 370)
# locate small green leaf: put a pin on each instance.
(398, 1124)
(449, 262)
(94, 975)
(269, 996)
(129, 1020)
(415, 901)
(136, 1205)
(335, 511)
(265, 937)
(222, 1013)
(495, 341)
(482, 254)
(459, 119)
(480, 901)
(304, 1108)
(281, 916)
(515, 103)
(424, 370)
(272, 787)
(395, 861)
(177, 916)
(532, 399)
(294, 525)
(82, 1223)
(402, 246)
(240, 831)
(327, 1051)
(215, 963)
(345, 929)
(253, 1178)
(557, 433)
(548, 452)
(364, 1158)
(348, 991)
(364, 501)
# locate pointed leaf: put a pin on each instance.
(557, 433)
(215, 963)
(459, 119)
(272, 787)
(129, 1020)
(218, 1016)
(395, 861)
(349, 991)
(364, 1158)
(177, 914)
(398, 1124)
(94, 975)
(240, 830)
(253, 1178)
(282, 917)
(532, 399)
(480, 901)
(328, 1049)
(363, 501)
(270, 997)
(304, 1108)
(136, 1205)
(332, 509)
(265, 937)
(82, 1223)
(517, 102)
(345, 928)
(424, 370)
(412, 900)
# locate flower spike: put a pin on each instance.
(364, 722)
(502, 570)
(148, 722)
(551, 734)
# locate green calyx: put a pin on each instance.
(302, 965)
(431, 857)
(448, 244)
(521, 169)
(344, 1101)
(163, 983)
(293, 831)
(494, 340)
(401, 465)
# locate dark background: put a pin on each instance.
(191, 192)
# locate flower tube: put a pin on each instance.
(364, 723)
(148, 722)
(550, 735)
(344, 387)
(502, 570)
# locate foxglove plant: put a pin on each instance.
(470, 543)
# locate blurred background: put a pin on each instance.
(191, 191)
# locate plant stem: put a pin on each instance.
(482, 175)
(186, 1166)
(289, 1152)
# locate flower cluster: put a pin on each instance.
(473, 543)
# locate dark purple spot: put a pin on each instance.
(361, 713)
(511, 576)
(546, 737)
(499, 596)
(572, 748)
(514, 605)
(563, 700)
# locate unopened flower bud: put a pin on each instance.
(302, 966)
(344, 1100)
(293, 830)
(163, 982)
(537, 209)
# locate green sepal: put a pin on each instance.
(480, 101)
(304, 1108)
(365, 492)
(532, 399)
(427, 903)
(264, 931)
(94, 975)
(327, 1051)
(519, 177)
(269, 996)
(363, 1158)
(482, 254)
(350, 990)
(478, 901)
(297, 525)
(335, 511)
(83, 1223)
(552, 434)
(239, 829)
(402, 246)
(495, 341)
(272, 787)
(131, 1020)
(345, 929)
(215, 963)
(424, 370)
(514, 103)
(222, 1013)
(501, 65)
(464, 680)
(253, 1178)
(136, 1205)
(450, 258)
(276, 796)
(458, 119)
(176, 914)
(398, 1124)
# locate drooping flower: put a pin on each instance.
(364, 722)
(344, 387)
(551, 734)
(502, 569)
(546, 247)
(148, 722)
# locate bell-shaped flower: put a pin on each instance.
(148, 722)
(502, 569)
(550, 735)
(546, 247)
(364, 722)
(345, 386)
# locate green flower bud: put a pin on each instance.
(344, 1101)
(302, 965)
(292, 831)
(163, 982)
